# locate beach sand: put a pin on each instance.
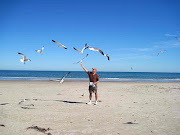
(153, 107)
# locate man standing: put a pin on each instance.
(93, 80)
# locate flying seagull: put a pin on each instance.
(60, 45)
(24, 58)
(161, 52)
(178, 38)
(62, 79)
(81, 50)
(81, 60)
(40, 51)
(99, 50)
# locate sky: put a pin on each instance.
(132, 32)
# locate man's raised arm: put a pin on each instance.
(84, 67)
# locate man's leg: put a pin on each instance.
(96, 97)
(90, 97)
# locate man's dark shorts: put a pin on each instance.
(93, 89)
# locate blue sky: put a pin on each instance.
(132, 32)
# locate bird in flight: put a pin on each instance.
(161, 52)
(62, 79)
(40, 51)
(23, 60)
(178, 38)
(60, 45)
(81, 51)
(99, 50)
(81, 60)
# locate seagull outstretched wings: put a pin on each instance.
(62, 79)
(81, 51)
(99, 50)
(60, 45)
(23, 60)
(161, 52)
(40, 51)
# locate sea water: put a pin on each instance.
(83, 76)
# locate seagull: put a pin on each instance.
(81, 60)
(99, 50)
(60, 45)
(24, 58)
(178, 38)
(40, 51)
(22, 101)
(81, 50)
(62, 79)
(161, 52)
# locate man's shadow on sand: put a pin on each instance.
(70, 102)
(64, 101)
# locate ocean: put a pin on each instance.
(82, 76)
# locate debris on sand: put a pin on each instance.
(27, 107)
(43, 130)
(30, 105)
(4, 103)
(2, 125)
(130, 123)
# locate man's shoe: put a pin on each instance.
(96, 103)
(89, 103)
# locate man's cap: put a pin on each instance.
(95, 69)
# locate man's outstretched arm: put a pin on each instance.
(84, 67)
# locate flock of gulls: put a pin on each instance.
(24, 59)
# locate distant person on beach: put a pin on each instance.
(93, 80)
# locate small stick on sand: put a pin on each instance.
(27, 108)
(43, 130)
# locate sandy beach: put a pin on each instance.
(124, 108)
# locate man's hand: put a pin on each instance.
(96, 82)
(84, 67)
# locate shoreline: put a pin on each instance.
(78, 81)
(86, 79)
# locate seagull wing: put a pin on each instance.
(81, 60)
(24, 56)
(38, 51)
(60, 45)
(64, 47)
(100, 51)
(108, 56)
(95, 49)
(84, 47)
(77, 49)
(92, 48)
(65, 76)
(42, 48)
